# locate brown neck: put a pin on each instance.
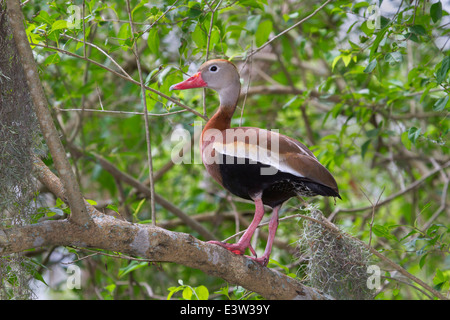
(228, 97)
(221, 120)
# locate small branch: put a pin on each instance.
(373, 212)
(76, 202)
(123, 77)
(283, 90)
(147, 129)
(102, 51)
(412, 186)
(159, 18)
(290, 28)
(211, 23)
(124, 112)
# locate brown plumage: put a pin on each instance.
(252, 163)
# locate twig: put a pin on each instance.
(409, 284)
(84, 28)
(412, 186)
(248, 87)
(102, 51)
(213, 11)
(373, 211)
(159, 18)
(147, 129)
(124, 112)
(290, 28)
(96, 252)
(123, 77)
(444, 198)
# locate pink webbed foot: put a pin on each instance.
(261, 260)
(236, 248)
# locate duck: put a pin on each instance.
(255, 164)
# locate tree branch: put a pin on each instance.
(153, 244)
(157, 244)
(75, 199)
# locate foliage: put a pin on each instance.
(366, 87)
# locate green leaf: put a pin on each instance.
(441, 103)
(113, 208)
(139, 207)
(405, 140)
(199, 37)
(368, 31)
(44, 17)
(418, 29)
(380, 36)
(202, 292)
(59, 24)
(133, 265)
(441, 74)
(123, 35)
(287, 104)
(439, 278)
(251, 3)
(173, 290)
(91, 202)
(195, 9)
(413, 134)
(382, 231)
(110, 288)
(372, 64)
(187, 293)
(153, 41)
(346, 59)
(436, 11)
(364, 148)
(263, 32)
(393, 57)
(335, 61)
(224, 291)
(138, 6)
(52, 59)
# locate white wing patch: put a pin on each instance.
(256, 153)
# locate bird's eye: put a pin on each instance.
(213, 68)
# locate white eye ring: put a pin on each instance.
(214, 68)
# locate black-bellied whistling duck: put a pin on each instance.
(252, 163)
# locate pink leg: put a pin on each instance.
(244, 241)
(273, 225)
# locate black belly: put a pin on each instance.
(244, 179)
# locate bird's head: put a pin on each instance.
(218, 74)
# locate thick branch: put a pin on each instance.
(75, 199)
(154, 244)
(157, 244)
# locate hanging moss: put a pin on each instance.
(19, 141)
(337, 263)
